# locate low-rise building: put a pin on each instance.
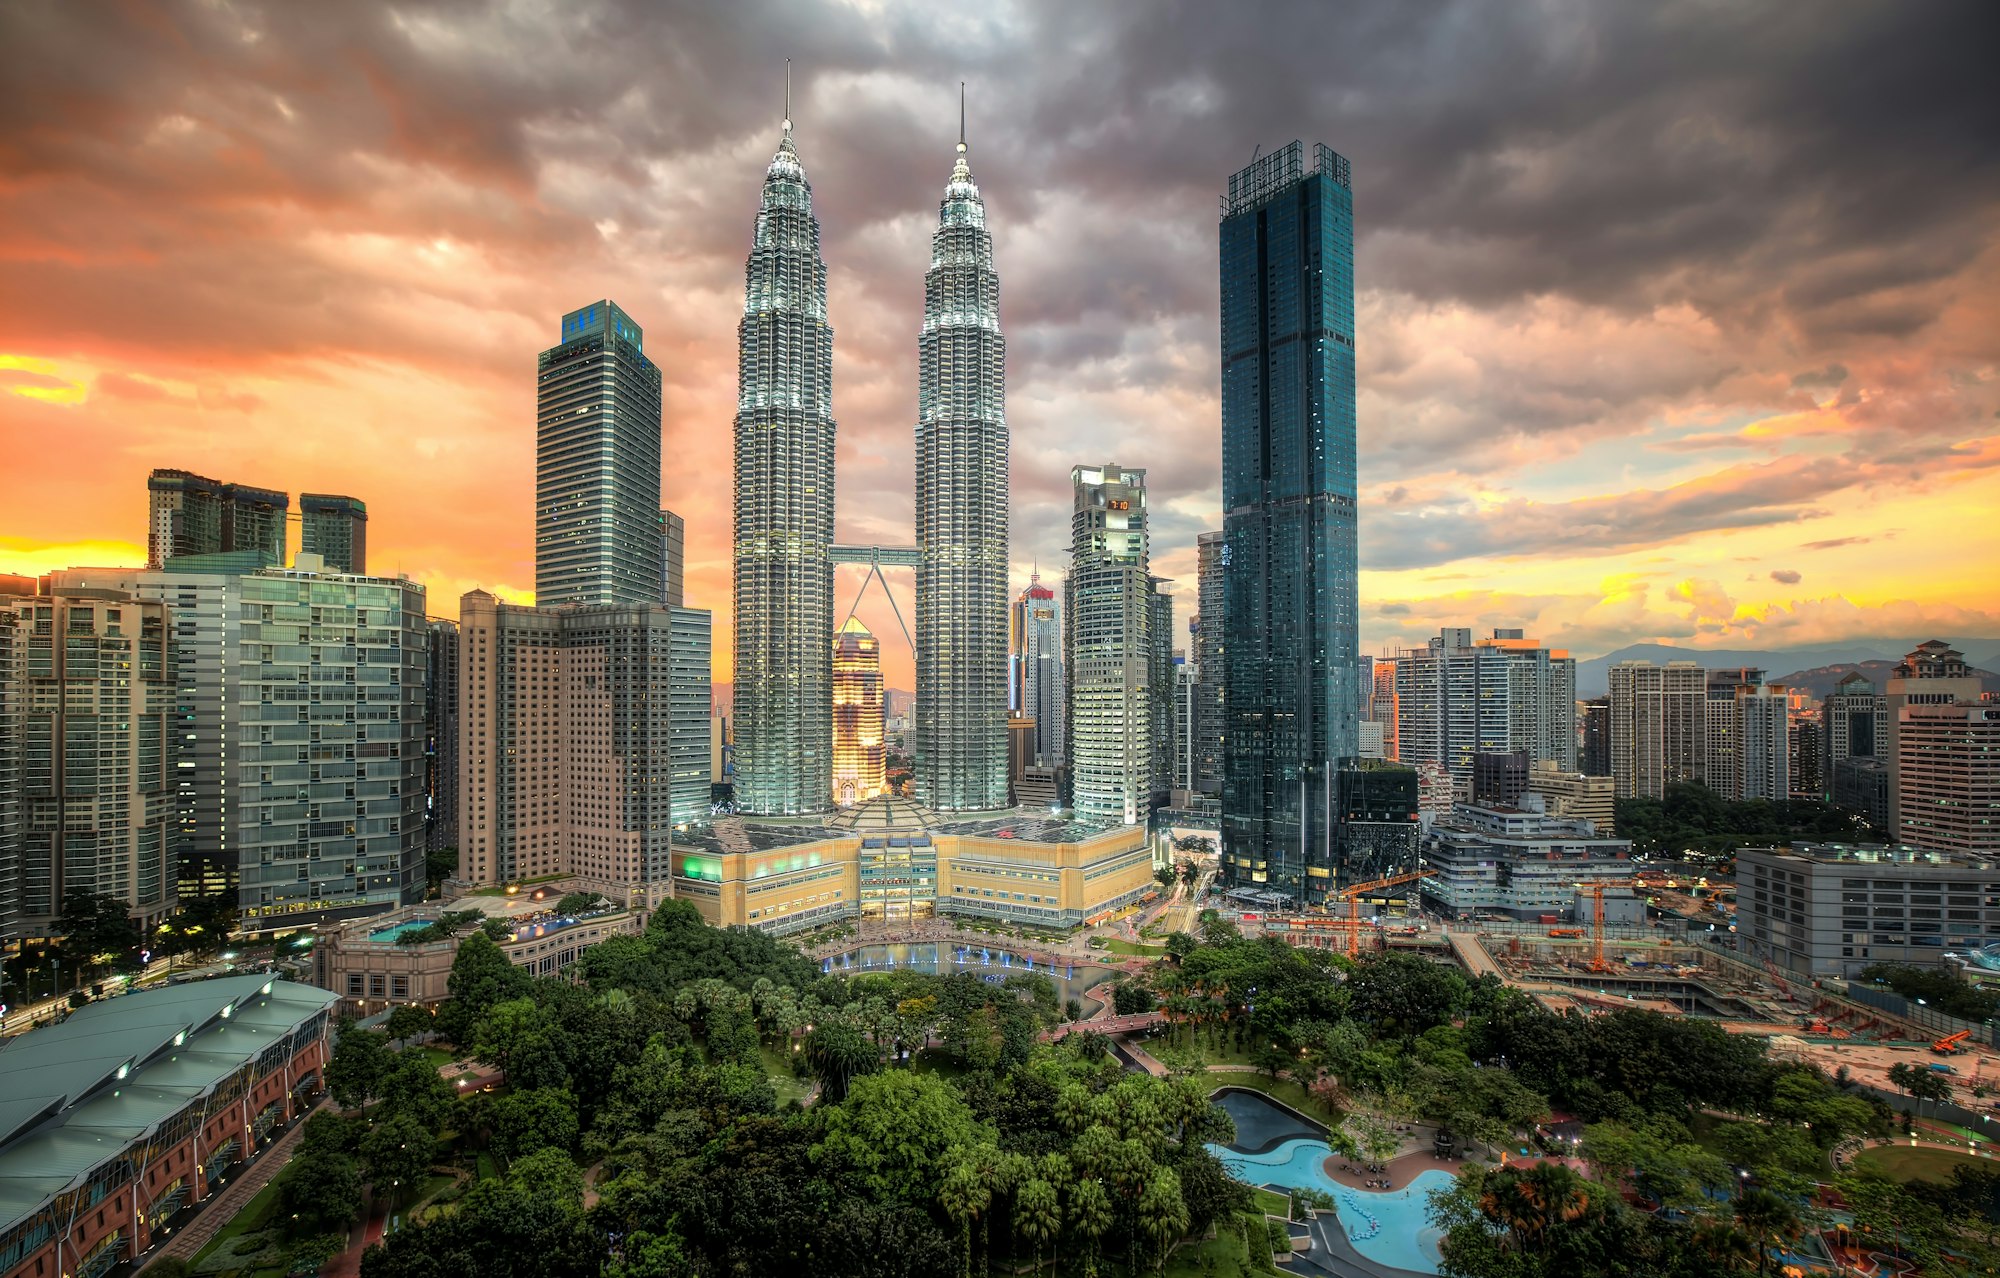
(1574, 796)
(1524, 865)
(117, 1120)
(1832, 910)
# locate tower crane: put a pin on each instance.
(1596, 889)
(1353, 895)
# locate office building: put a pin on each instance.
(1761, 762)
(1861, 789)
(1371, 741)
(1947, 777)
(597, 463)
(1573, 796)
(1457, 698)
(961, 634)
(1035, 681)
(1722, 724)
(1381, 707)
(12, 693)
(123, 1118)
(1207, 629)
(783, 541)
(1934, 674)
(193, 515)
(1187, 705)
(859, 759)
(1109, 601)
(1594, 736)
(1160, 688)
(1817, 910)
(95, 795)
(1659, 726)
(441, 738)
(1288, 495)
(1855, 720)
(1376, 819)
(336, 529)
(1499, 780)
(673, 559)
(1525, 866)
(1808, 744)
(583, 741)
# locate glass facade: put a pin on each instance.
(1111, 605)
(597, 464)
(784, 507)
(961, 639)
(859, 757)
(336, 529)
(1291, 707)
(1035, 675)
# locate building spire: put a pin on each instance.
(788, 97)
(961, 117)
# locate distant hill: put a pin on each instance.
(1593, 679)
(1820, 680)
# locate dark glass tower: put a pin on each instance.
(1291, 704)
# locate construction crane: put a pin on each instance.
(1353, 897)
(1596, 889)
(1778, 979)
(1948, 1045)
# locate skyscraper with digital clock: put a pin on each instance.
(1291, 702)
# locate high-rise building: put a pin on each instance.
(11, 695)
(1934, 674)
(784, 507)
(1573, 796)
(961, 728)
(1382, 708)
(1457, 698)
(95, 792)
(1187, 706)
(859, 760)
(583, 741)
(1808, 745)
(193, 515)
(1855, 721)
(1109, 603)
(1376, 809)
(1291, 710)
(1659, 726)
(1763, 743)
(1208, 629)
(1036, 677)
(1720, 725)
(1160, 687)
(673, 559)
(1946, 773)
(1594, 736)
(336, 529)
(441, 739)
(597, 463)
(1500, 779)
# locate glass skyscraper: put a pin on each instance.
(1290, 702)
(784, 507)
(597, 463)
(1035, 680)
(961, 746)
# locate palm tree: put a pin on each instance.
(1532, 1203)
(1090, 1216)
(1767, 1218)
(1038, 1214)
(964, 1196)
(1163, 1213)
(1728, 1248)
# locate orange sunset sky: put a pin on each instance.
(1675, 323)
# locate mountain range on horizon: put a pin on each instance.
(1809, 666)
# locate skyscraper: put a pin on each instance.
(1457, 698)
(597, 463)
(1659, 726)
(1933, 674)
(1290, 706)
(859, 761)
(441, 739)
(1160, 686)
(1207, 630)
(1761, 738)
(1855, 720)
(190, 514)
(673, 559)
(1036, 676)
(784, 506)
(961, 638)
(1110, 602)
(11, 695)
(336, 529)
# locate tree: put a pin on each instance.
(839, 1053)
(407, 1022)
(1038, 1214)
(1090, 1217)
(98, 931)
(1163, 1214)
(397, 1153)
(480, 977)
(1769, 1220)
(308, 1255)
(411, 1085)
(1403, 994)
(1129, 998)
(319, 1192)
(964, 1196)
(530, 1121)
(897, 1129)
(360, 1060)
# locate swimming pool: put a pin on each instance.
(1389, 1227)
(391, 933)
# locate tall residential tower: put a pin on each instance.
(961, 639)
(784, 506)
(1110, 603)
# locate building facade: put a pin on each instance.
(193, 515)
(1376, 827)
(1593, 732)
(1457, 698)
(1855, 720)
(1160, 687)
(961, 468)
(1573, 796)
(1291, 632)
(1934, 674)
(1659, 727)
(12, 693)
(1521, 865)
(673, 559)
(1109, 602)
(441, 739)
(1035, 682)
(336, 529)
(1948, 777)
(1832, 910)
(859, 755)
(1208, 630)
(783, 536)
(597, 463)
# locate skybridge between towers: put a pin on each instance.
(876, 558)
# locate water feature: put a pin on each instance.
(988, 964)
(389, 934)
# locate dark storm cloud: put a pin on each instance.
(1785, 576)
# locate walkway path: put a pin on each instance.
(235, 1196)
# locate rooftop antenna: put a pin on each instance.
(961, 117)
(788, 97)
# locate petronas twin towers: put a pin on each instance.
(784, 510)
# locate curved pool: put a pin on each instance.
(1390, 1227)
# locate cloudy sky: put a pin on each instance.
(1677, 321)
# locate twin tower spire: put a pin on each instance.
(784, 553)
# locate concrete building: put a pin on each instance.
(1382, 709)
(441, 738)
(1207, 631)
(1522, 865)
(597, 463)
(1855, 720)
(95, 694)
(120, 1119)
(583, 740)
(1947, 777)
(1832, 910)
(1457, 698)
(1187, 708)
(1807, 747)
(1573, 796)
(1659, 726)
(673, 559)
(1499, 780)
(859, 755)
(191, 514)
(1935, 674)
(336, 529)
(1861, 788)
(1110, 652)
(1035, 681)
(1160, 688)
(893, 860)
(12, 694)
(1762, 762)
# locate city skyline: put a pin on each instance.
(1603, 394)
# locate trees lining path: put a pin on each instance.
(235, 1196)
